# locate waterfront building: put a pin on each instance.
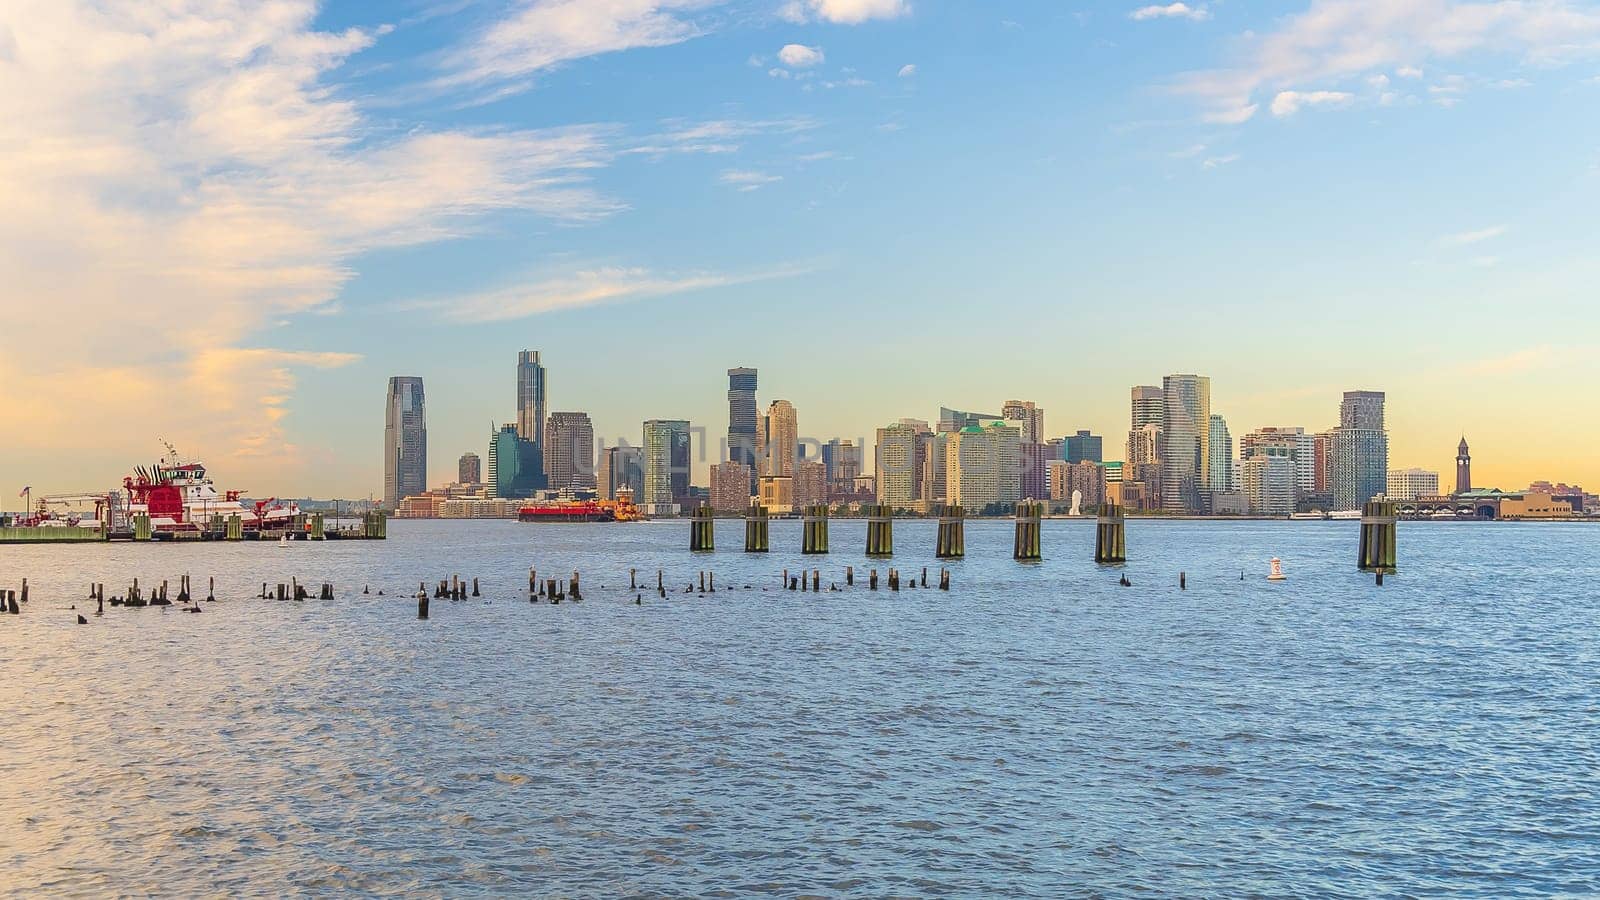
(895, 466)
(405, 441)
(777, 493)
(1087, 477)
(1027, 418)
(1083, 447)
(1185, 441)
(1269, 484)
(532, 409)
(1409, 484)
(1293, 444)
(781, 430)
(1359, 451)
(730, 487)
(569, 452)
(621, 468)
(810, 483)
(1034, 481)
(1463, 467)
(743, 418)
(666, 465)
(982, 466)
(469, 470)
(1220, 480)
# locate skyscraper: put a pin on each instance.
(742, 419)
(1144, 429)
(1291, 443)
(1220, 479)
(1463, 467)
(843, 462)
(469, 470)
(532, 407)
(569, 452)
(666, 465)
(1185, 441)
(621, 467)
(1268, 484)
(898, 465)
(782, 439)
(405, 441)
(730, 486)
(513, 464)
(1083, 447)
(1358, 460)
(982, 466)
(1026, 417)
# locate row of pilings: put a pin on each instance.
(1377, 551)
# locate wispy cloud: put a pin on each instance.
(748, 180)
(1171, 11)
(907, 70)
(715, 135)
(586, 287)
(1336, 40)
(1287, 103)
(1464, 238)
(1215, 162)
(843, 12)
(1522, 360)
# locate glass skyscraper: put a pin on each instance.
(405, 441)
(742, 419)
(533, 407)
(666, 464)
(1185, 443)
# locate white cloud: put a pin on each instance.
(1465, 238)
(1219, 161)
(1188, 152)
(748, 180)
(799, 56)
(844, 12)
(1231, 116)
(1171, 11)
(1287, 103)
(540, 34)
(577, 288)
(715, 136)
(177, 179)
(1335, 40)
(907, 70)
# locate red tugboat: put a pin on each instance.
(568, 510)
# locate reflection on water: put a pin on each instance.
(1039, 730)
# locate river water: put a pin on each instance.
(1039, 730)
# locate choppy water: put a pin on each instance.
(1038, 731)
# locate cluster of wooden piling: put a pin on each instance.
(549, 589)
(702, 531)
(8, 600)
(880, 529)
(814, 524)
(755, 530)
(1110, 534)
(952, 540)
(1029, 542)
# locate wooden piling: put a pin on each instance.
(815, 535)
(952, 540)
(880, 530)
(872, 579)
(1028, 544)
(475, 586)
(1110, 536)
(755, 529)
(1377, 551)
(944, 579)
(849, 576)
(702, 530)
(422, 604)
(816, 580)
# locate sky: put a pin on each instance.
(226, 224)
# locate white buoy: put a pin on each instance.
(1277, 570)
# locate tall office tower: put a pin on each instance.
(742, 419)
(666, 465)
(898, 464)
(533, 406)
(469, 470)
(1268, 484)
(492, 468)
(983, 466)
(1185, 441)
(782, 439)
(621, 468)
(1220, 479)
(843, 462)
(569, 452)
(1144, 429)
(1026, 417)
(1083, 447)
(405, 441)
(1463, 467)
(513, 465)
(730, 486)
(1359, 451)
(1293, 444)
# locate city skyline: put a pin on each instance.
(234, 251)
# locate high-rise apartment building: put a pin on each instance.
(405, 441)
(982, 466)
(1026, 417)
(842, 460)
(1291, 443)
(1319, 454)
(1149, 407)
(1144, 446)
(1083, 447)
(1144, 430)
(469, 469)
(666, 465)
(743, 419)
(1359, 451)
(900, 463)
(532, 410)
(1220, 478)
(569, 452)
(1410, 484)
(1033, 474)
(810, 483)
(782, 444)
(620, 468)
(1268, 484)
(1185, 441)
(730, 486)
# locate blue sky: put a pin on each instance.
(884, 206)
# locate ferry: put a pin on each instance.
(1313, 516)
(567, 509)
